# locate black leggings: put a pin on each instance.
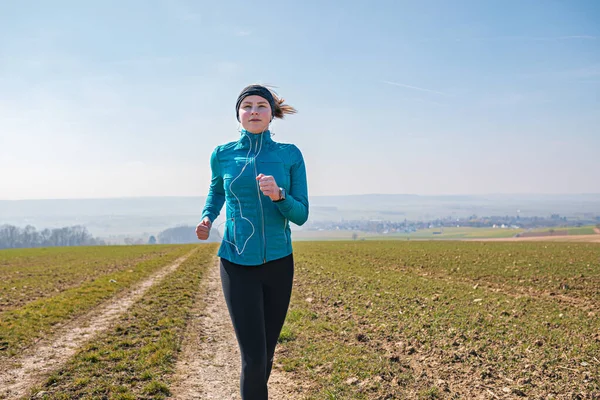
(257, 298)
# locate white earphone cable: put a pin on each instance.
(248, 160)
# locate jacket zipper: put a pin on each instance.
(262, 212)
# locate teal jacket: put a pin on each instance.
(257, 229)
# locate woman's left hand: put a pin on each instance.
(268, 186)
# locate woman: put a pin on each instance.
(263, 184)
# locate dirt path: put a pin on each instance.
(209, 366)
(48, 355)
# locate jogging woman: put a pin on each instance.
(263, 184)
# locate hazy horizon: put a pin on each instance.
(118, 100)
(152, 214)
(325, 195)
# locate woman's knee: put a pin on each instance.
(254, 367)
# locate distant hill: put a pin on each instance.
(150, 215)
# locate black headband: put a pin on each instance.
(258, 91)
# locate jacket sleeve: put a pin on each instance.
(295, 205)
(216, 193)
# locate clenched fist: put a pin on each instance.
(203, 229)
(268, 186)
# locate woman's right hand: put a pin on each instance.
(203, 229)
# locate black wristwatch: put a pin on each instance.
(281, 195)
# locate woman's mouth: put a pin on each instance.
(255, 120)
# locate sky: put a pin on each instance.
(129, 98)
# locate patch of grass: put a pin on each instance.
(136, 358)
(286, 335)
(20, 327)
(157, 390)
(124, 396)
(146, 376)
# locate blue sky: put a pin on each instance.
(119, 99)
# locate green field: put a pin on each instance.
(437, 233)
(431, 233)
(571, 230)
(368, 319)
(37, 273)
(460, 233)
(44, 288)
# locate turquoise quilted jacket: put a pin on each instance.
(257, 229)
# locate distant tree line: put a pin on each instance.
(13, 237)
(385, 226)
(178, 235)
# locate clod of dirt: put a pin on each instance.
(361, 337)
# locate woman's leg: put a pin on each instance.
(277, 290)
(244, 297)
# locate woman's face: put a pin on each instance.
(255, 114)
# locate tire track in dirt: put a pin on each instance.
(40, 360)
(209, 365)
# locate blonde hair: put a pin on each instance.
(280, 107)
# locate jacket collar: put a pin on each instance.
(254, 140)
